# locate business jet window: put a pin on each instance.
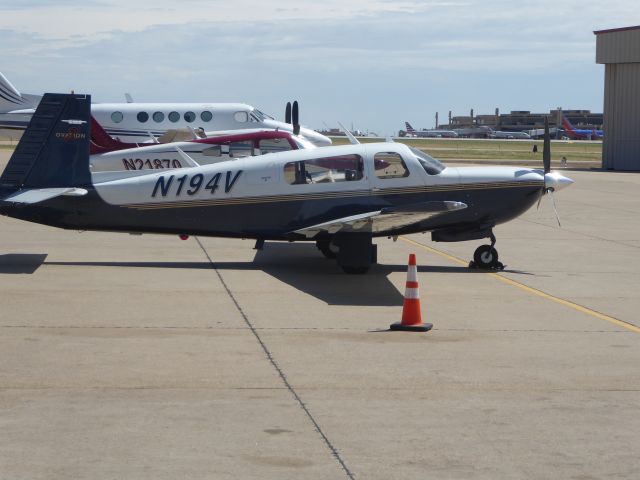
(206, 116)
(390, 165)
(158, 117)
(116, 117)
(343, 168)
(173, 117)
(241, 117)
(189, 116)
(142, 117)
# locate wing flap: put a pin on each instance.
(387, 219)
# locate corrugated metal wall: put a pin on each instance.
(620, 52)
(621, 148)
(618, 47)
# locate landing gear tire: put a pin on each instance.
(486, 258)
(355, 270)
(327, 248)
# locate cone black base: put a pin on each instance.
(425, 327)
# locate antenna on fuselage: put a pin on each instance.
(350, 136)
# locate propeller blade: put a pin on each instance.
(287, 113)
(546, 149)
(296, 118)
(553, 201)
(542, 192)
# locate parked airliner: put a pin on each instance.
(580, 133)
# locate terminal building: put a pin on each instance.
(619, 51)
(519, 120)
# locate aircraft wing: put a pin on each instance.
(387, 219)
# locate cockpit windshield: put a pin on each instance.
(430, 164)
(260, 116)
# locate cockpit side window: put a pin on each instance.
(241, 117)
(390, 165)
(240, 149)
(343, 168)
(270, 145)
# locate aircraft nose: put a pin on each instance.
(555, 181)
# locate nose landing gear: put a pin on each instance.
(486, 257)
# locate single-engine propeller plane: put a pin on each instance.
(341, 197)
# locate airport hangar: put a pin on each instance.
(619, 50)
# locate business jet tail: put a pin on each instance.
(11, 99)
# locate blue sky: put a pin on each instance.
(370, 63)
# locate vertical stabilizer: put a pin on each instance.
(11, 99)
(54, 149)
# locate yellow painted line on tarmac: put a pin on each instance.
(534, 291)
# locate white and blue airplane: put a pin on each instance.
(340, 197)
(144, 122)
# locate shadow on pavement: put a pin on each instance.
(303, 267)
(21, 263)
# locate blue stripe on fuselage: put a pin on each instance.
(269, 220)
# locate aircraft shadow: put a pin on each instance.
(303, 267)
(21, 263)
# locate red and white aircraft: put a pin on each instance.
(141, 122)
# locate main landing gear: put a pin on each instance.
(354, 252)
(486, 257)
(328, 249)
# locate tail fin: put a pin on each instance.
(102, 142)
(11, 99)
(410, 129)
(54, 149)
(566, 124)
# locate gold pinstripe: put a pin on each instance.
(327, 195)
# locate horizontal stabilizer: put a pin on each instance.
(41, 194)
(385, 220)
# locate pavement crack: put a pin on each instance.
(334, 451)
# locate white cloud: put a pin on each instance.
(73, 21)
(371, 61)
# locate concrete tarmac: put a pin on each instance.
(147, 357)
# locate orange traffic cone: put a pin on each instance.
(411, 317)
